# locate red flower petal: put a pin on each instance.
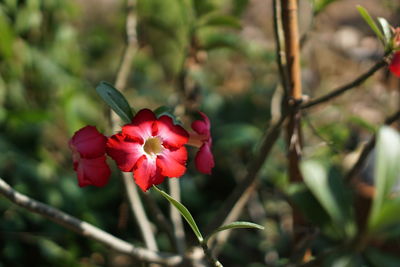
(146, 173)
(204, 159)
(202, 126)
(124, 151)
(93, 171)
(394, 66)
(135, 132)
(172, 135)
(172, 163)
(144, 119)
(88, 142)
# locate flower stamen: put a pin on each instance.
(153, 146)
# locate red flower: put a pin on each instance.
(88, 154)
(204, 159)
(152, 148)
(394, 66)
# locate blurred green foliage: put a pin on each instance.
(54, 53)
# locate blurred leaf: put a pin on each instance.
(115, 100)
(387, 169)
(330, 192)
(379, 258)
(388, 216)
(311, 208)
(218, 19)
(370, 21)
(214, 40)
(316, 179)
(387, 31)
(342, 259)
(167, 111)
(320, 5)
(235, 225)
(184, 212)
(238, 135)
(7, 36)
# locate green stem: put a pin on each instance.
(214, 262)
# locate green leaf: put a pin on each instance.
(387, 169)
(218, 19)
(387, 31)
(370, 21)
(214, 40)
(316, 179)
(388, 216)
(115, 100)
(320, 5)
(184, 212)
(312, 210)
(235, 225)
(380, 258)
(167, 111)
(331, 194)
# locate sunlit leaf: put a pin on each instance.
(387, 31)
(115, 100)
(387, 169)
(184, 212)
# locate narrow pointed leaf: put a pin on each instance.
(236, 225)
(370, 21)
(115, 100)
(184, 212)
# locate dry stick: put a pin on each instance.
(292, 47)
(294, 142)
(280, 54)
(120, 83)
(368, 148)
(86, 229)
(158, 215)
(235, 202)
(176, 217)
(344, 88)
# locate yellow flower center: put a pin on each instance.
(153, 146)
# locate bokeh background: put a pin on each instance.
(53, 53)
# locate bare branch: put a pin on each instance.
(138, 211)
(280, 54)
(338, 91)
(120, 83)
(234, 204)
(368, 148)
(177, 223)
(85, 229)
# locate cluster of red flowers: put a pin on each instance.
(150, 147)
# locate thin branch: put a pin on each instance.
(138, 211)
(120, 83)
(176, 217)
(85, 229)
(368, 148)
(234, 204)
(338, 91)
(292, 47)
(280, 54)
(159, 217)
